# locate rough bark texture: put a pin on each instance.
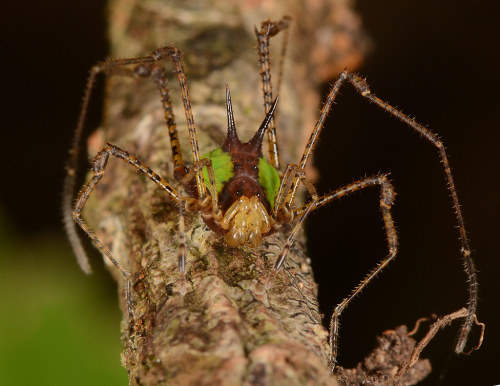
(381, 366)
(227, 329)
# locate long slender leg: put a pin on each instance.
(267, 30)
(362, 87)
(117, 66)
(314, 137)
(69, 180)
(175, 55)
(278, 204)
(98, 168)
(339, 193)
(308, 207)
(181, 173)
(180, 170)
(112, 66)
(160, 78)
(387, 195)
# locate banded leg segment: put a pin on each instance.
(267, 30)
(160, 78)
(175, 55)
(118, 66)
(98, 168)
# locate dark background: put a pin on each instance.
(436, 60)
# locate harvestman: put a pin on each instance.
(240, 194)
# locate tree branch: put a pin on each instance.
(227, 329)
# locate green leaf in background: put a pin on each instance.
(57, 325)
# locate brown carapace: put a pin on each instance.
(246, 209)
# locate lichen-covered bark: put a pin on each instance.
(227, 329)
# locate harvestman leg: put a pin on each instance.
(181, 173)
(268, 29)
(362, 87)
(116, 66)
(160, 78)
(294, 168)
(99, 165)
(387, 196)
(146, 66)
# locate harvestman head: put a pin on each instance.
(241, 195)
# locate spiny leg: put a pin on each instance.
(269, 28)
(174, 54)
(387, 195)
(290, 197)
(180, 171)
(99, 165)
(117, 66)
(160, 78)
(362, 87)
(70, 178)
(203, 203)
(113, 67)
(308, 207)
(192, 205)
(281, 209)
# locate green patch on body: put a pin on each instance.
(269, 180)
(223, 168)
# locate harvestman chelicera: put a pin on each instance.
(240, 194)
